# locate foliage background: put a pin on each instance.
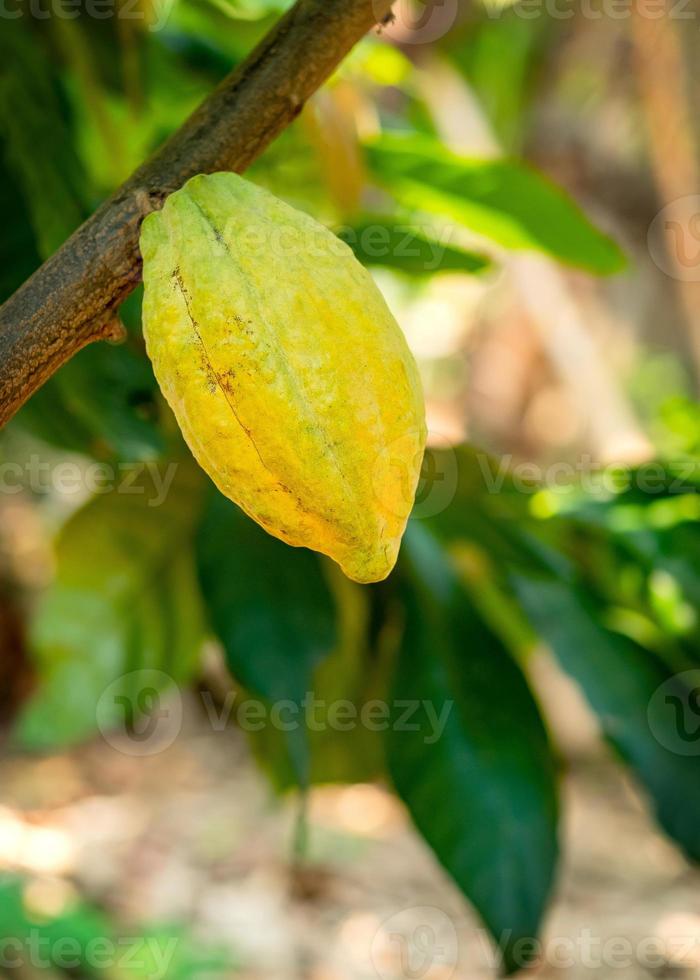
(556, 526)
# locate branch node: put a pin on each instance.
(113, 330)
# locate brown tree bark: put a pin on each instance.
(662, 77)
(73, 298)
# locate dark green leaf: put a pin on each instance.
(350, 681)
(481, 791)
(18, 253)
(271, 608)
(37, 142)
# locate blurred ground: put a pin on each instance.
(193, 834)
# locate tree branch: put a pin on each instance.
(72, 299)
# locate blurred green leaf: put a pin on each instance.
(346, 724)
(403, 245)
(18, 253)
(619, 679)
(124, 599)
(36, 139)
(217, 32)
(482, 791)
(500, 55)
(676, 551)
(569, 574)
(80, 940)
(503, 200)
(271, 608)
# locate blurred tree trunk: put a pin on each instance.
(664, 90)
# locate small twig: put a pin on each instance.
(73, 298)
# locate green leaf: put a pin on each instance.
(36, 139)
(271, 608)
(124, 599)
(79, 939)
(18, 254)
(403, 245)
(482, 790)
(620, 679)
(503, 200)
(354, 679)
(500, 58)
(568, 575)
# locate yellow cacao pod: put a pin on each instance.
(289, 377)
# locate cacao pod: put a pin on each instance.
(289, 377)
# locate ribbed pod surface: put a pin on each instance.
(289, 377)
